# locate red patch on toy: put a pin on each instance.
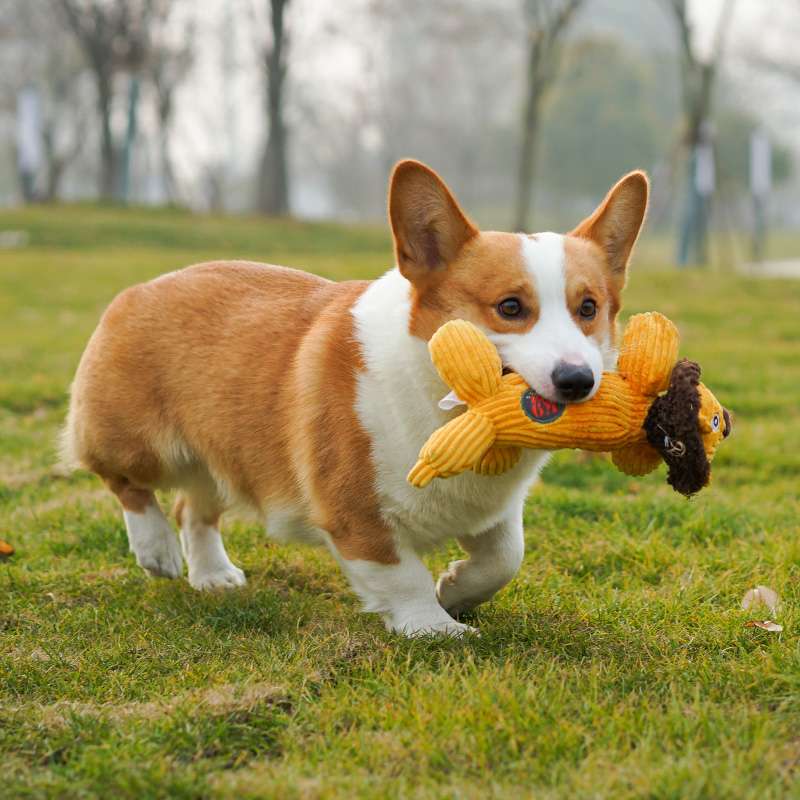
(540, 409)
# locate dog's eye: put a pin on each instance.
(588, 309)
(509, 308)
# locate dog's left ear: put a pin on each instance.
(616, 222)
(427, 222)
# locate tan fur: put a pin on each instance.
(587, 276)
(488, 269)
(428, 225)
(616, 222)
(240, 371)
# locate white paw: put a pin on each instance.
(440, 625)
(228, 576)
(450, 594)
(160, 556)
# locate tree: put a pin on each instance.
(63, 126)
(546, 21)
(273, 179)
(778, 54)
(114, 36)
(698, 77)
(167, 65)
(55, 75)
(601, 122)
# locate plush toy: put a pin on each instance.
(652, 408)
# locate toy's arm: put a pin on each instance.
(648, 352)
(453, 449)
(466, 361)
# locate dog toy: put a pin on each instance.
(653, 408)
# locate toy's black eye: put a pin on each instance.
(715, 422)
(509, 308)
(588, 309)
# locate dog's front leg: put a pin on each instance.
(494, 559)
(402, 593)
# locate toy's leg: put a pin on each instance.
(197, 511)
(494, 559)
(402, 593)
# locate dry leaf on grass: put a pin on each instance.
(766, 625)
(761, 595)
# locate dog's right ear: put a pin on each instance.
(428, 225)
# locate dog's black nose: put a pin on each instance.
(572, 381)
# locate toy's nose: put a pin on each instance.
(572, 381)
(726, 431)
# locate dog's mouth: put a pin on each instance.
(556, 398)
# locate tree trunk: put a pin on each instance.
(130, 138)
(167, 170)
(108, 160)
(273, 187)
(530, 140)
(55, 165)
(693, 231)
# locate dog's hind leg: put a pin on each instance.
(150, 536)
(197, 510)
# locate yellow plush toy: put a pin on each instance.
(652, 408)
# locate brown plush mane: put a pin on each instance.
(673, 430)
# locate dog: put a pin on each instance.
(308, 400)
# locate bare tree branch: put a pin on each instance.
(114, 35)
(547, 22)
(273, 183)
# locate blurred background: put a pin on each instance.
(530, 109)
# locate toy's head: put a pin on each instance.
(685, 425)
(714, 421)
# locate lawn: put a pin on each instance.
(616, 665)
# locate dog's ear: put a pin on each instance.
(616, 222)
(428, 225)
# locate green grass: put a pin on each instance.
(616, 665)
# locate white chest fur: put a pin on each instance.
(397, 401)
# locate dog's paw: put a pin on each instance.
(228, 576)
(450, 593)
(438, 625)
(161, 557)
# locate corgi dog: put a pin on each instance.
(308, 400)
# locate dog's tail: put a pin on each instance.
(67, 445)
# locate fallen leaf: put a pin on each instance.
(761, 595)
(6, 550)
(766, 625)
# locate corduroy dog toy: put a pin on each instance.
(652, 408)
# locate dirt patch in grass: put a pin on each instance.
(226, 698)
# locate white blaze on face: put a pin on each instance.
(555, 337)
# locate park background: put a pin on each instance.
(143, 135)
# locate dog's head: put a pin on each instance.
(548, 302)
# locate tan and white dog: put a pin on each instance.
(308, 400)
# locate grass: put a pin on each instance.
(616, 665)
